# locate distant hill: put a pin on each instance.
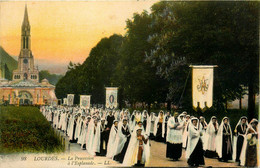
(7, 64)
(52, 78)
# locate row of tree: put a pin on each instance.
(150, 63)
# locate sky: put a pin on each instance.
(64, 31)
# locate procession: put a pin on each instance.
(144, 83)
(125, 137)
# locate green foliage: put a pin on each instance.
(7, 63)
(94, 74)
(25, 129)
(151, 63)
(206, 33)
(137, 79)
(52, 78)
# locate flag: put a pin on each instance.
(202, 86)
(65, 101)
(70, 99)
(111, 97)
(85, 101)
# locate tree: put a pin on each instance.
(136, 78)
(221, 33)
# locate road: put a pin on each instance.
(158, 158)
(75, 157)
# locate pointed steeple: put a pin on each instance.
(26, 18)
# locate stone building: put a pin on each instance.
(25, 87)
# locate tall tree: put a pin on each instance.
(222, 33)
(137, 79)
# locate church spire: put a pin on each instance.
(26, 18)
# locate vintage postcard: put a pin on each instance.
(126, 83)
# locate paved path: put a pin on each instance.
(158, 157)
(75, 157)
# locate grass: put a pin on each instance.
(25, 129)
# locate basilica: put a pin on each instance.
(25, 87)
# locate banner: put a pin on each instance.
(111, 97)
(65, 101)
(85, 101)
(70, 99)
(202, 86)
(54, 103)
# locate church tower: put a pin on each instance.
(26, 69)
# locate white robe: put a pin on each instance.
(219, 138)
(152, 119)
(132, 151)
(111, 142)
(193, 138)
(174, 135)
(210, 137)
(185, 134)
(120, 139)
(93, 145)
(244, 147)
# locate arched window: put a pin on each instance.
(25, 76)
(24, 42)
(27, 42)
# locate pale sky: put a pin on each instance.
(64, 31)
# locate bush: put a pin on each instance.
(25, 129)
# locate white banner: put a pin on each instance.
(111, 97)
(70, 99)
(85, 101)
(65, 101)
(202, 86)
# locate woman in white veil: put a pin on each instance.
(111, 141)
(210, 138)
(224, 141)
(131, 157)
(250, 151)
(238, 138)
(159, 129)
(194, 151)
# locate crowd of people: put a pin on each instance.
(125, 137)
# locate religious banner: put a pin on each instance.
(54, 103)
(70, 99)
(65, 101)
(202, 86)
(85, 101)
(111, 97)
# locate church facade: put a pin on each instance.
(25, 88)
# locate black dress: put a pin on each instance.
(73, 135)
(103, 139)
(165, 128)
(158, 137)
(227, 144)
(120, 157)
(241, 130)
(196, 158)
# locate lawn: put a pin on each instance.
(24, 129)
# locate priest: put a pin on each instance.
(174, 138)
